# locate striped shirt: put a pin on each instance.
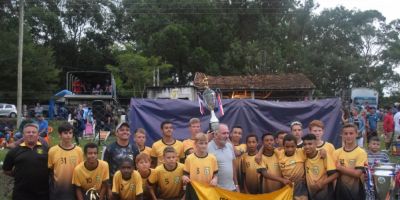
(378, 156)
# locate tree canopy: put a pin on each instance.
(337, 48)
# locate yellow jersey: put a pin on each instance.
(188, 144)
(350, 187)
(238, 163)
(292, 168)
(201, 169)
(271, 164)
(146, 150)
(87, 179)
(146, 192)
(127, 189)
(158, 147)
(317, 170)
(252, 178)
(329, 148)
(62, 163)
(168, 182)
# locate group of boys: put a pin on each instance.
(131, 171)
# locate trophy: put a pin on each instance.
(209, 97)
(384, 180)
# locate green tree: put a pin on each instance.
(134, 72)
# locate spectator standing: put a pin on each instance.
(388, 127)
(43, 125)
(27, 163)
(38, 109)
(77, 86)
(225, 154)
(396, 120)
(372, 119)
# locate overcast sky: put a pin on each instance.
(389, 8)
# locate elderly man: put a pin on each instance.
(225, 154)
(27, 163)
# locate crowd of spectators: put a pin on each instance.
(83, 87)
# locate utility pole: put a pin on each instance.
(20, 51)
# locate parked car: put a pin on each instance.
(8, 110)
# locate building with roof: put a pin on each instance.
(282, 87)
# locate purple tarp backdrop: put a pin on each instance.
(255, 116)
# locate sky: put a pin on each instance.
(389, 8)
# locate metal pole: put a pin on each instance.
(20, 51)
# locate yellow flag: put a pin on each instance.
(206, 192)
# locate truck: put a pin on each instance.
(83, 85)
(364, 96)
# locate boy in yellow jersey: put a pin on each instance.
(167, 178)
(279, 140)
(350, 163)
(316, 128)
(143, 167)
(201, 166)
(270, 163)
(140, 140)
(92, 173)
(252, 179)
(62, 160)
(235, 137)
(127, 183)
(320, 173)
(194, 128)
(167, 140)
(291, 163)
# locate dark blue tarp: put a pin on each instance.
(255, 116)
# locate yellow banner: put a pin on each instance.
(205, 192)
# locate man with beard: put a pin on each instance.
(121, 149)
